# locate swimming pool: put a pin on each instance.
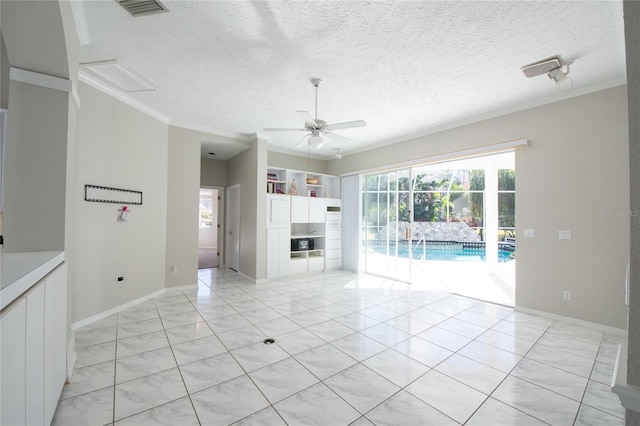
(455, 252)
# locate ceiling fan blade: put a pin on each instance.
(336, 137)
(271, 129)
(308, 120)
(300, 141)
(346, 125)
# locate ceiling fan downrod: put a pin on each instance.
(316, 83)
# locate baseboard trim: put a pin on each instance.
(72, 356)
(245, 276)
(76, 325)
(182, 287)
(605, 328)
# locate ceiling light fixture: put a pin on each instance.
(554, 69)
(337, 155)
(316, 141)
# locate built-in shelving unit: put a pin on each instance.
(301, 183)
(310, 213)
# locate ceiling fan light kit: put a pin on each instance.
(317, 128)
(316, 141)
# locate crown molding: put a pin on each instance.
(39, 79)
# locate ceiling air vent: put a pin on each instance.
(142, 7)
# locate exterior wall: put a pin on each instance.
(574, 176)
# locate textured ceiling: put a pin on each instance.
(406, 68)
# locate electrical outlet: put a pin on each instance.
(174, 270)
(566, 295)
(529, 233)
(564, 234)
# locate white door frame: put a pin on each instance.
(232, 228)
(221, 222)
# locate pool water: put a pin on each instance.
(452, 254)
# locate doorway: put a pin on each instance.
(209, 228)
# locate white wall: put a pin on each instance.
(4, 75)
(294, 162)
(574, 175)
(117, 146)
(213, 173)
(249, 170)
(183, 195)
(36, 156)
(632, 34)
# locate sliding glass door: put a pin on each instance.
(386, 227)
(447, 225)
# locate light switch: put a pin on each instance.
(530, 233)
(564, 234)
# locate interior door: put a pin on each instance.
(232, 243)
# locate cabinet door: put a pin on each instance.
(299, 209)
(273, 250)
(34, 388)
(278, 246)
(317, 210)
(12, 363)
(278, 211)
(299, 263)
(55, 341)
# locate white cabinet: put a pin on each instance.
(278, 211)
(33, 349)
(55, 339)
(299, 209)
(301, 215)
(306, 261)
(306, 184)
(13, 363)
(278, 243)
(278, 234)
(299, 263)
(35, 357)
(333, 241)
(317, 209)
(316, 261)
(312, 209)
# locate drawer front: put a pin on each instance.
(333, 254)
(333, 224)
(332, 244)
(316, 263)
(298, 265)
(333, 234)
(332, 264)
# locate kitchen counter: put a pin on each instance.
(20, 271)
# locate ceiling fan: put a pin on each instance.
(318, 128)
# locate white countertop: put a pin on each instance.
(20, 271)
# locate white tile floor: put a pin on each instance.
(348, 350)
